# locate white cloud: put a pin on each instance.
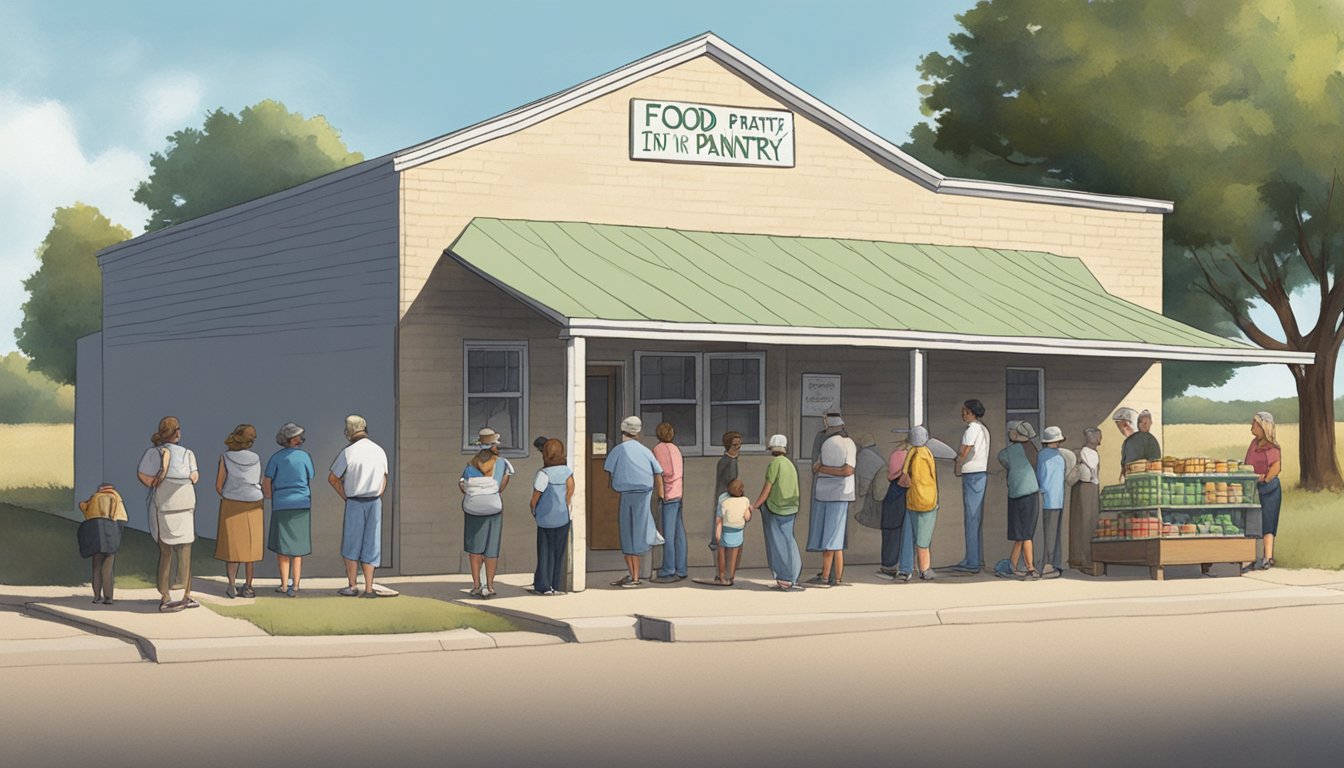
(43, 166)
(168, 102)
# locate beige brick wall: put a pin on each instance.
(576, 167)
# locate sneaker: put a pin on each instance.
(629, 583)
(621, 582)
(475, 592)
(282, 589)
(1266, 564)
(292, 592)
(927, 575)
(818, 580)
(1032, 575)
(369, 593)
(906, 577)
(348, 592)
(487, 591)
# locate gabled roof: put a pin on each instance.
(787, 93)
(643, 282)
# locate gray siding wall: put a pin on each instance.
(89, 416)
(277, 310)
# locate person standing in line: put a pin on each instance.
(552, 502)
(1266, 457)
(359, 477)
(779, 501)
(667, 487)
(1085, 501)
(632, 469)
(724, 473)
(482, 484)
(870, 483)
(922, 497)
(99, 538)
(1023, 497)
(895, 514)
(827, 530)
(241, 532)
(734, 514)
(1051, 469)
(973, 465)
(287, 482)
(170, 472)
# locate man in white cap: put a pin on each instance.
(632, 468)
(779, 501)
(1051, 469)
(359, 475)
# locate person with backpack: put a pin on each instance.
(482, 483)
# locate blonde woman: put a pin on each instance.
(241, 534)
(1265, 456)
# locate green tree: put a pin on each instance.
(236, 158)
(28, 397)
(1235, 111)
(65, 294)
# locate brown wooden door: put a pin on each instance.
(604, 420)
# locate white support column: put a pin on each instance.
(576, 440)
(919, 403)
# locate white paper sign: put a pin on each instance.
(708, 133)
(821, 394)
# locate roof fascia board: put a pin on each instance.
(796, 98)
(852, 337)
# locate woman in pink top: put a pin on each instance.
(1265, 457)
(668, 488)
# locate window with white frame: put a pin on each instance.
(1025, 396)
(703, 395)
(494, 386)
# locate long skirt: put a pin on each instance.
(828, 528)
(241, 535)
(1084, 507)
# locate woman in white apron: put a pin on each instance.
(170, 473)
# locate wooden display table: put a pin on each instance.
(1172, 550)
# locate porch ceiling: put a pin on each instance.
(643, 282)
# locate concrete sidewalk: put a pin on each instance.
(682, 612)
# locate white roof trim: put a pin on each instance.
(797, 99)
(866, 337)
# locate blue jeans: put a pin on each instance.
(674, 532)
(973, 499)
(550, 573)
(907, 561)
(786, 562)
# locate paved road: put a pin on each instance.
(1261, 688)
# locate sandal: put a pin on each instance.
(621, 582)
(187, 602)
(246, 592)
(230, 591)
(1032, 575)
(167, 607)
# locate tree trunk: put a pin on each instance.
(1316, 421)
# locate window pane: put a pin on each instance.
(737, 378)
(737, 418)
(666, 378)
(681, 417)
(1024, 390)
(502, 414)
(513, 379)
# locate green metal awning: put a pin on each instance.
(645, 282)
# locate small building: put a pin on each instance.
(690, 238)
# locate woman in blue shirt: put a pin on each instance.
(287, 483)
(552, 496)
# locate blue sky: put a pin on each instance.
(88, 90)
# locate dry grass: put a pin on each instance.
(1311, 526)
(37, 455)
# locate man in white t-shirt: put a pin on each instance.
(834, 472)
(359, 475)
(973, 464)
